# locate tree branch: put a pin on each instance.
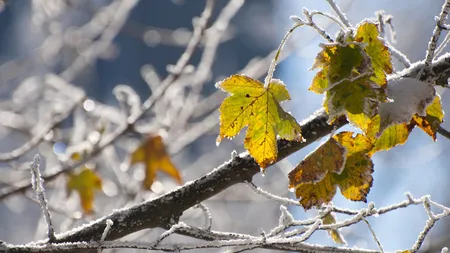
(165, 211)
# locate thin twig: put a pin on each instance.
(109, 224)
(434, 39)
(309, 22)
(38, 187)
(373, 234)
(444, 132)
(39, 136)
(96, 48)
(199, 28)
(281, 200)
(331, 17)
(401, 57)
(208, 216)
(274, 62)
(338, 11)
(106, 140)
(443, 44)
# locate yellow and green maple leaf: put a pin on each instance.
(253, 105)
(354, 181)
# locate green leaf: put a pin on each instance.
(338, 62)
(354, 97)
(367, 32)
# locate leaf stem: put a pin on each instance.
(273, 64)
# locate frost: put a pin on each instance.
(38, 186)
(410, 96)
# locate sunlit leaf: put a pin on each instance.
(354, 144)
(431, 122)
(367, 32)
(333, 233)
(314, 195)
(338, 62)
(250, 104)
(392, 136)
(359, 120)
(354, 181)
(354, 97)
(85, 182)
(356, 178)
(329, 157)
(153, 155)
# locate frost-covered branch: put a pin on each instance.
(309, 22)
(440, 22)
(338, 11)
(284, 238)
(160, 211)
(38, 187)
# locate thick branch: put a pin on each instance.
(163, 211)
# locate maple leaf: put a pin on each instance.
(338, 62)
(433, 119)
(252, 105)
(355, 96)
(393, 135)
(85, 182)
(333, 233)
(367, 32)
(354, 180)
(327, 158)
(153, 155)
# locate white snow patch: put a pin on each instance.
(410, 96)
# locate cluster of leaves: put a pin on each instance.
(151, 153)
(353, 78)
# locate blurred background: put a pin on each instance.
(94, 46)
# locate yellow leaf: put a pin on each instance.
(85, 183)
(153, 155)
(333, 233)
(250, 104)
(338, 62)
(354, 145)
(431, 122)
(367, 32)
(316, 194)
(356, 178)
(354, 181)
(359, 120)
(76, 156)
(392, 136)
(328, 158)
